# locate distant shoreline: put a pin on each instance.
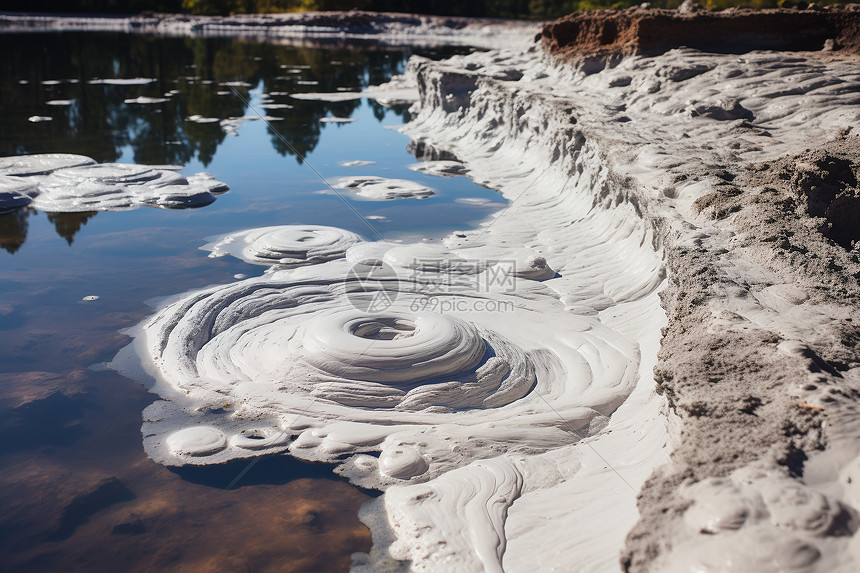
(645, 31)
(385, 28)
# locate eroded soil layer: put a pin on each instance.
(646, 31)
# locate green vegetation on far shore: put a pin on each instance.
(536, 9)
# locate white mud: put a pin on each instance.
(574, 147)
(400, 91)
(70, 183)
(440, 168)
(124, 81)
(500, 388)
(373, 188)
(231, 125)
(482, 384)
(145, 100)
(337, 120)
(15, 193)
(285, 246)
(749, 351)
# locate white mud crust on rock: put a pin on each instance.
(760, 345)
(69, 183)
(745, 167)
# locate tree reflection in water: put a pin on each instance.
(13, 229)
(41, 70)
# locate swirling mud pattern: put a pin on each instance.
(480, 369)
(293, 360)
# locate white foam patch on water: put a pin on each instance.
(124, 81)
(39, 118)
(328, 97)
(440, 168)
(201, 119)
(478, 202)
(60, 102)
(231, 125)
(145, 100)
(69, 183)
(285, 246)
(397, 92)
(374, 188)
(337, 120)
(197, 441)
(356, 163)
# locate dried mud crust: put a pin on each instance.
(746, 395)
(648, 32)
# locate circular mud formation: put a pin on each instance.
(285, 246)
(289, 360)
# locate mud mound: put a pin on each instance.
(826, 184)
(645, 31)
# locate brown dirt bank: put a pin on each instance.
(724, 377)
(648, 32)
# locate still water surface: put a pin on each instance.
(76, 489)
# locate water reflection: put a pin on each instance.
(14, 226)
(67, 224)
(61, 76)
(190, 73)
(13, 229)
